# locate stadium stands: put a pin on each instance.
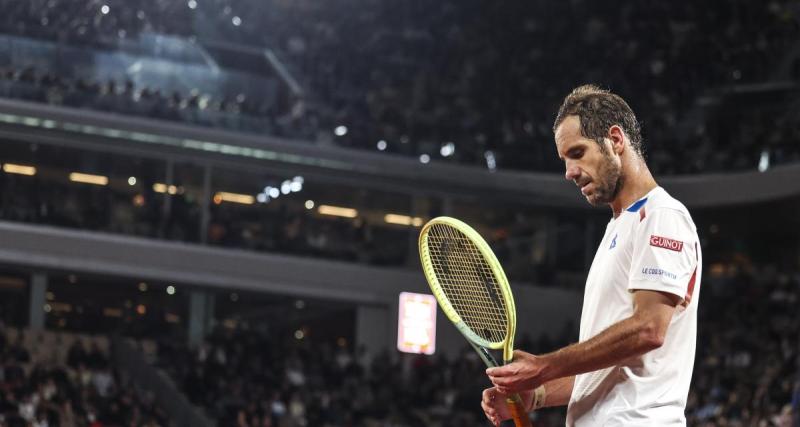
(419, 76)
(64, 379)
(746, 369)
(248, 377)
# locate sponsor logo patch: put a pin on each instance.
(650, 271)
(663, 242)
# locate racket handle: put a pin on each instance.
(518, 412)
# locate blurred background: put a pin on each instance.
(209, 208)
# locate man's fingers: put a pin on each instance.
(489, 396)
(487, 408)
(501, 381)
(504, 390)
(501, 371)
(487, 399)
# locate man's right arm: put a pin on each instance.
(558, 391)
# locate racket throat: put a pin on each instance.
(484, 354)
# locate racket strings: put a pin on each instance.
(468, 282)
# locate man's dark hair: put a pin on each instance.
(598, 110)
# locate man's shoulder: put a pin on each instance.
(660, 199)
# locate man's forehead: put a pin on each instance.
(568, 130)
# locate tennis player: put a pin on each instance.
(633, 364)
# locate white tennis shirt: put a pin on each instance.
(652, 245)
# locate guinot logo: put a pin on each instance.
(666, 243)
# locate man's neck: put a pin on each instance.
(636, 185)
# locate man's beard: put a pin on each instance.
(608, 183)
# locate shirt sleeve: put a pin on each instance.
(665, 254)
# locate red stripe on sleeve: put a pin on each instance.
(690, 290)
(688, 298)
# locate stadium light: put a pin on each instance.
(491, 161)
(447, 149)
(86, 178)
(286, 187)
(403, 220)
(19, 169)
(244, 199)
(337, 211)
(763, 162)
(112, 312)
(164, 188)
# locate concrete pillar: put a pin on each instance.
(205, 204)
(420, 207)
(447, 206)
(166, 207)
(37, 300)
(211, 306)
(198, 316)
(376, 330)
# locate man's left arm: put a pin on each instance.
(642, 332)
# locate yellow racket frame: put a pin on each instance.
(506, 345)
(514, 402)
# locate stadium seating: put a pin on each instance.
(65, 379)
(447, 75)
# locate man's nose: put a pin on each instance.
(573, 173)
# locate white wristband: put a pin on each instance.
(539, 397)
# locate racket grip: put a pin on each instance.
(518, 412)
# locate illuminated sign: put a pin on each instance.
(416, 323)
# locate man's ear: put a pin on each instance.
(617, 137)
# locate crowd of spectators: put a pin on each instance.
(489, 76)
(99, 23)
(235, 112)
(486, 77)
(248, 379)
(67, 387)
(746, 370)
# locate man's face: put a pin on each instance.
(596, 171)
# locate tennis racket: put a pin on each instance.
(472, 290)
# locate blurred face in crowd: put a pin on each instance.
(595, 169)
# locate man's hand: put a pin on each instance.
(526, 372)
(495, 407)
